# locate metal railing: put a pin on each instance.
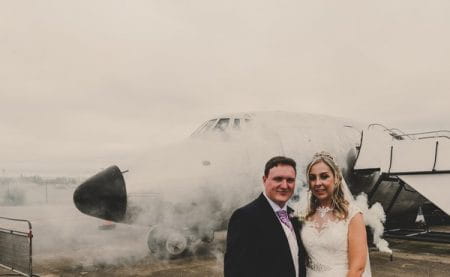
(430, 134)
(16, 248)
(399, 134)
(395, 132)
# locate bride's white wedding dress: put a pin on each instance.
(325, 239)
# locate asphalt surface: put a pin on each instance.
(71, 244)
(410, 258)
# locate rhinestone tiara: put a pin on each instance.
(324, 154)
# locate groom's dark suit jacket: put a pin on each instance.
(257, 245)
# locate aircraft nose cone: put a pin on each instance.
(103, 195)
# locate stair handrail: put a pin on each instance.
(399, 134)
(437, 134)
(394, 132)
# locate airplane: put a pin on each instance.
(186, 191)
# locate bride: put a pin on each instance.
(334, 233)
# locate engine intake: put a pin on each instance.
(103, 195)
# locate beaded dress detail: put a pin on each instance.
(325, 240)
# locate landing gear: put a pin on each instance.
(176, 244)
(166, 242)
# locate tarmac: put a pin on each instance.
(410, 258)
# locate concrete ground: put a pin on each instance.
(410, 258)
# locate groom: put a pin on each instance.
(262, 239)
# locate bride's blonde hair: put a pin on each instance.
(338, 201)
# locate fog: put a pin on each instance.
(374, 217)
(188, 189)
(86, 84)
(62, 233)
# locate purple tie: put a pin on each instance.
(283, 216)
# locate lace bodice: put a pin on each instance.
(325, 240)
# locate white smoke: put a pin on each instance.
(190, 188)
(62, 233)
(197, 183)
(374, 217)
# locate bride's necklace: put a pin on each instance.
(323, 210)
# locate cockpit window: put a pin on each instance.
(237, 123)
(208, 125)
(222, 124)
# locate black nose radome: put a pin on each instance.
(103, 195)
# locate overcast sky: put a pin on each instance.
(84, 84)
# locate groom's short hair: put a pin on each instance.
(276, 161)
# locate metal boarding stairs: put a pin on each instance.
(416, 162)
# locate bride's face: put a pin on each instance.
(321, 182)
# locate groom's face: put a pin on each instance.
(280, 184)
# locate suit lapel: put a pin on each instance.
(302, 254)
(271, 219)
(268, 216)
(295, 223)
(275, 231)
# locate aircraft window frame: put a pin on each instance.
(204, 127)
(222, 127)
(236, 123)
(210, 124)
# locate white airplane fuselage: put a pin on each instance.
(197, 183)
